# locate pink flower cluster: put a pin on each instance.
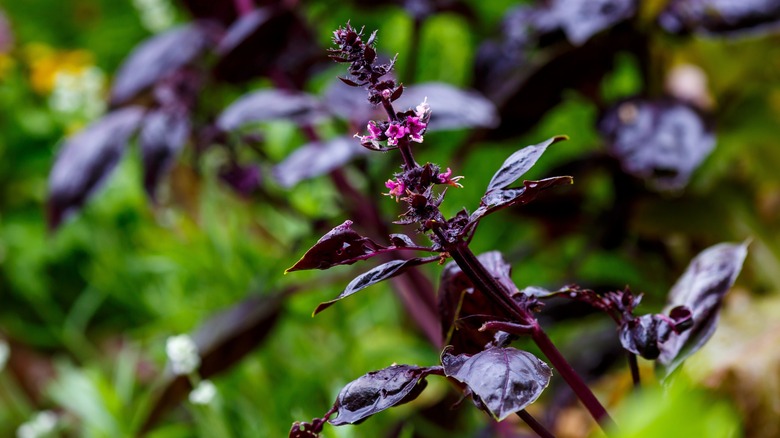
(397, 188)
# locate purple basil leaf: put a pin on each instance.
(505, 380)
(498, 199)
(267, 39)
(315, 159)
(244, 180)
(662, 141)
(340, 246)
(267, 105)
(581, 19)
(378, 390)
(519, 163)
(701, 289)
(223, 341)
(645, 335)
(156, 58)
(86, 160)
(721, 17)
(451, 108)
(380, 273)
(162, 137)
(401, 240)
(459, 300)
(350, 103)
(223, 12)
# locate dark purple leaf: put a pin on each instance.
(380, 273)
(162, 137)
(315, 159)
(662, 141)
(401, 240)
(267, 105)
(581, 19)
(86, 160)
(498, 199)
(721, 17)
(348, 82)
(252, 44)
(221, 11)
(155, 58)
(451, 108)
(340, 246)
(519, 163)
(244, 180)
(379, 390)
(459, 301)
(644, 335)
(504, 380)
(701, 289)
(223, 341)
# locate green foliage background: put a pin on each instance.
(87, 309)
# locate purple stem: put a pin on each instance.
(632, 363)
(534, 425)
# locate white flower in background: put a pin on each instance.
(156, 15)
(79, 92)
(182, 354)
(5, 352)
(42, 425)
(204, 393)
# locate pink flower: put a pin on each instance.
(447, 178)
(374, 131)
(396, 187)
(423, 110)
(416, 128)
(394, 133)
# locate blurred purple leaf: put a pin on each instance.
(378, 274)
(503, 380)
(661, 141)
(86, 160)
(223, 341)
(721, 17)
(315, 159)
(162, 137)
(519, 163)
(223, 12)
(267, 105)
(244, 180)
(155, 58)
(701, 289)
(581, 19)
(341, 245)
(451, 108)
(379, 390)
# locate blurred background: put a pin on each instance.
(162, 163)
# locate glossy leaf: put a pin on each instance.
(340, 246)
(378, 274)
(222, 342)
(155, 58)
(162, 137)
(661, 141)
(498, 199)
(504, 380)
(701, 289)
(316, 159)
(451, 108)
(519, 163)
(265, 105)
(645, 335)
(379, 390)
(86, 160)
(716, 17)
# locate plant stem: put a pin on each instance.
(571, 377)
(632, 363)
(487, 284)
(534, 425)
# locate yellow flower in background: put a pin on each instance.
(46, 62)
